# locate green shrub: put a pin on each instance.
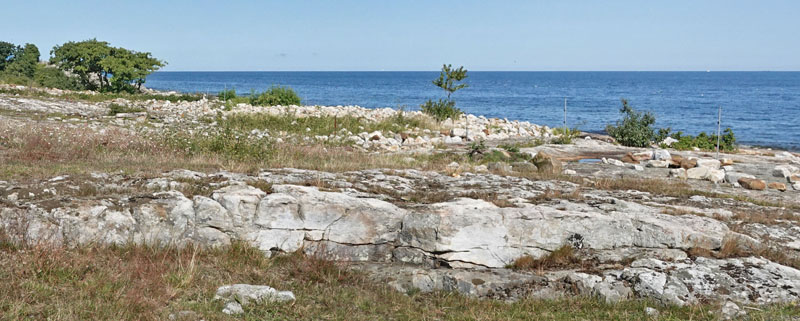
(704, 141)
(14, 79)
(226, 95)
(476, 148)
(275, 96)
(54, 78)
(565, 136)
(635, 129)
(441, 109)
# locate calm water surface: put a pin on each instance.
(763, 108)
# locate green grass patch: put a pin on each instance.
(114, 109)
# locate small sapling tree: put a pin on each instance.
(449, 80)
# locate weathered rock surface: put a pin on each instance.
(461, 242)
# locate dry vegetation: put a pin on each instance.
(563, 257)
(44, 150)
(734, 247)
(145, 283)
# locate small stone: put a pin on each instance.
(651, 312)
(726, 162)
(232, 308)
(657, 163)
(752, 183)
(614, 162)
(569, 171)
(677, 173)
(246, 294)
(730, 311)
(794, 178)
(636, 167)
(480, 168)
(453, 166)
(778, 186)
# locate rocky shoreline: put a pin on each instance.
(677, 227)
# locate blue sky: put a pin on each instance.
(421, 35)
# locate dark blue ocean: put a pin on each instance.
(762, 108)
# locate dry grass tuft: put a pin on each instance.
(563, 257)
(735, 247)
(550, 194)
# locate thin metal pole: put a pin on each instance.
(565, 115)
(719, 123)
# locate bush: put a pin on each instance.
(441, 109)
(565, 136)
(635, 129)
(226, 95)
(704, 141)
(54, 78)
(275, 96)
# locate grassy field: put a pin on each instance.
(145, 283)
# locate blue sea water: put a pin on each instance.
(762, 108)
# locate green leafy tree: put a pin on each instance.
(83, 59)
(24, 61)
(128, 69)
(634, 129)
(449, 80)
(98, 64)
(7, 51)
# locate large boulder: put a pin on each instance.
(733, 177)
(784, 171)
(716, 175)
(342, 226)
(709, 163)
(687, 163)
(546, 163)
(697, 172)
(777, 186)
(661, 154)
(752, 183)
